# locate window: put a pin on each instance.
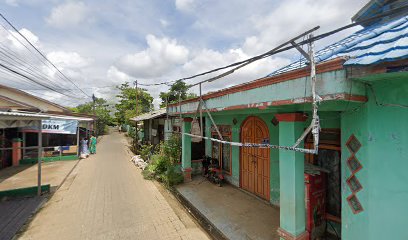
(222, 152)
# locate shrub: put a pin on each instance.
(163, 162)
(172, 148)
(171, 177)
(145, 152)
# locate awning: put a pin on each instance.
(16, 119)
(150, 115)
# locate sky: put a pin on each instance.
(99, 44)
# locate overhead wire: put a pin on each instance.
(30, 66)
(41, 54)
(29, 78)
(282, 49)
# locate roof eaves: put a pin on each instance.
(327, 66)
(38, 98)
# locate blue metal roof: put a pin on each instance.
(374, 44)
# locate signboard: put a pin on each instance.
(58, 126)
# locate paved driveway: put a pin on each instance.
(106, 197)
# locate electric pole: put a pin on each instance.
(136, 137)
(94, 114)
(135, 84)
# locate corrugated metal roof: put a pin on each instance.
(33, 115)
(150, 115)
(64, 117)
(23, 115)
(377, 43)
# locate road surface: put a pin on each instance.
(106, 197)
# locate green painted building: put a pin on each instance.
(363, 147)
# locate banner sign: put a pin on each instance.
(58, 126)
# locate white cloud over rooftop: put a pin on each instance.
(102, 43)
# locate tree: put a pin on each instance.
(126, 108)
(179, 88)
(101, 111)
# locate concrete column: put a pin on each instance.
(168, 129)
(186, 149)
(16, 145)
(291, 171)
(207, 133)
(24, 143)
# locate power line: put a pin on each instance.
(8, 52)
(5, 19)
(28, 78)
(275, 50)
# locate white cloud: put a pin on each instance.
(34, 39)
(293, 17)
(161, 56)
(65, 59)
(116, 76)
(184, 5)
(209, 59)
(164, 23)
(13, 3)
(14, 40)
(68, 14)
(212, 34)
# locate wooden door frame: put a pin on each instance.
(240, 151)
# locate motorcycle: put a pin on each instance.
(212, 170)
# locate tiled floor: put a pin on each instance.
(236, 214)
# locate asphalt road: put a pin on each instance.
(106, 197)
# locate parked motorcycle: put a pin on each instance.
(212, 170)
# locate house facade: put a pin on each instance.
(363, 148)
(19, 129)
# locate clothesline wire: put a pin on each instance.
(257, 145)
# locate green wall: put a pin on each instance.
(328, 120)
(274, 139)
(382, 131)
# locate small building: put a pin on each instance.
(153, 126)
(158, 126)
(61, 128)
(362, 81)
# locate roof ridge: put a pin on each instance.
(348, 42)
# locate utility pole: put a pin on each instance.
(94, 115)
(136, 137)
(135, 84)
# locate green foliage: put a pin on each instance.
(162, 164)
(171, 177)
(145, 152)
(126, 108)
(101, 112)
(172, 148)
(161, 169)
(178, 89)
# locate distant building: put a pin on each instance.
(20, 114)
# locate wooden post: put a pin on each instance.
(39, 157)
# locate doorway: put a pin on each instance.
(255, 162)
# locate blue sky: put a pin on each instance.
(100, 43)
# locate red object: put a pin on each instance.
(291, 117)
(16, 153)
(315, 197)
